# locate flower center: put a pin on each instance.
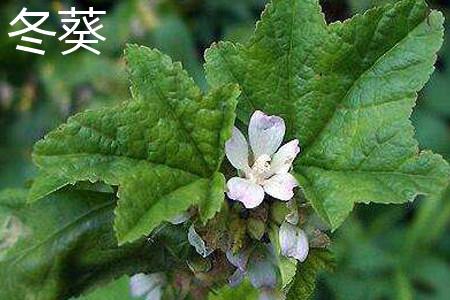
(260, 169)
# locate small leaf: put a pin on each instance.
(116, 290)
(243, 292)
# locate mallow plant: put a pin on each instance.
(238, 188)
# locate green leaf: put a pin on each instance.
(65, 245)
(116, 290)
(346, 91)
(163, 149)
(305, 279)
(245, 291)
(167, 193)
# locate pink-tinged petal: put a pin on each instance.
(245, 191)
(284, 157)
(293, 242)
(265, 133)
(236, 150)
(281, 186)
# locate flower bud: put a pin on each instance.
(279, 211)
(256, 228)
(261, 271)
(293, 242)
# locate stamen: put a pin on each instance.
(260, 169)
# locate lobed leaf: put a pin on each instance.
(346, 91)
(163, 149)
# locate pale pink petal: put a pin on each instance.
(281, 186)
(284, 157)
(236, 150)
(293, 242)
(265, 133)
(245, 191)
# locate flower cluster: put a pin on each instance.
(263, 166)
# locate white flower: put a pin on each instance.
(266, 170)
(150, 286)
(293, 242)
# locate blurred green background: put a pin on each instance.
(382, 252)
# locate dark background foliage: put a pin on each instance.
(382, 252)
